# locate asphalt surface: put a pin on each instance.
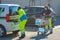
(31, 34)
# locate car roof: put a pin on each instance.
(10, 4)
(35, 6)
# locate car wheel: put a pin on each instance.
(2, 31)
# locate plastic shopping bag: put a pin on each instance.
(38, 22)
(41, 30)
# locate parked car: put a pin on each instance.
(7, 25)
(34, 12)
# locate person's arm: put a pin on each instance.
(53, 14)
(52, 11)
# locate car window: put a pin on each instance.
(34, 10)
(13, 10)
(1, 10)
(28, 10)
(38, 10)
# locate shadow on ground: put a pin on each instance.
(39, 37)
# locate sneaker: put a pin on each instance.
(21, 37)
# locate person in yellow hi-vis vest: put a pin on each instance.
(48, 16)
(22, 21)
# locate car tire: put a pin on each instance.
(2, 31)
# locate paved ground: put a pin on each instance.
(31, 34)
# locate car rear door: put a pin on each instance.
(13, 16)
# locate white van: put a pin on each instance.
(6, 25)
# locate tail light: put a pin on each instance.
(7, 17)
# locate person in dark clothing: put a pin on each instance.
(49, 18)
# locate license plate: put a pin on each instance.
(41, 30)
